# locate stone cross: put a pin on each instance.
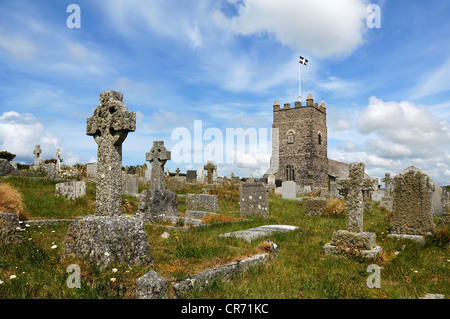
(37, 152)
(178, 171)
(210, 167)
(355, 184)
(158, 157)
(388, 184)
(109, 126)
(58, 160)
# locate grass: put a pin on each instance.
(300, 271)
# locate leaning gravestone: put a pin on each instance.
(353, 238)
(412, 211)
(254, 199)
(109, 237)
(158, 200)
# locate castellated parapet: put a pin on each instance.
(302, 145)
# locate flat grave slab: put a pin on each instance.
(254, 233)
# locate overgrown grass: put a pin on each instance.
(300, 271)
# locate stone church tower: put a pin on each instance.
(299, 144)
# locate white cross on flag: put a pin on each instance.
(303, 60)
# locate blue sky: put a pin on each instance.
(225, 62)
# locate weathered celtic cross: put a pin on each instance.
(387, 184)
(109, 126)
(158, 157)
(210, 167)
(355, 184)
(178, 171)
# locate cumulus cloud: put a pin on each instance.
(394, 135)
(20, 133)
(323, 27)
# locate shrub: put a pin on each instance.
(441, 236)
(7, 155)
(11, 201)
(335, 207)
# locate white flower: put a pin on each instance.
(113, 279)
(12, 277)
(1, 282)
(114, 270)
(106, 254)
(27, 225)
(54, 246)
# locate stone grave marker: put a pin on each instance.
(71, 190)
(289, 190)
(387, 201)
(412, 210)
(254, 199)
(363, 243)
(158, 156)
(210, 167)
(109, 237)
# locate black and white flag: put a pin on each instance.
(303, 60)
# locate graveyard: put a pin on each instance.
(301, 269)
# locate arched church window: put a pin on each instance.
(290, 138)
(290, 173)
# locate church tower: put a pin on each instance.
(299, 144)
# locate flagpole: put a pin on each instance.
(299, 82)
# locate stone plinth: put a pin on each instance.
(153, 203)
(105, 240)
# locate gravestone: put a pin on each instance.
(191, 175)
(202, 202)
(412, 211)
(58, 161)
(354, 238)
(210, 167)
(109, 237)
(201, 177)
(157, 201)
(109, 126)
(289, 190)
(271, 181)
(91, 170)
(176, 183)
(257, 232)
(151, 286)
(387, 201)
(130, 184)
(37, 160)
(71, 190)
(254, 199)
(178, 172)
(158, 156)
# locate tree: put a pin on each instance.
(7, 155)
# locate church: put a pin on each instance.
(299, 146)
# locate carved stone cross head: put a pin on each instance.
(158, 155)
(111, 121)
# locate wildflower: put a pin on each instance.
(12, 277)
(1, 282)
(54, 246)
(30, 238)
(106, 254)
(27, 225)
(113, 279)
(53, 231)
(114, 270)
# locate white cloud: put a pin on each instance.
(18, 46)
(20, 133)
(322, 27)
